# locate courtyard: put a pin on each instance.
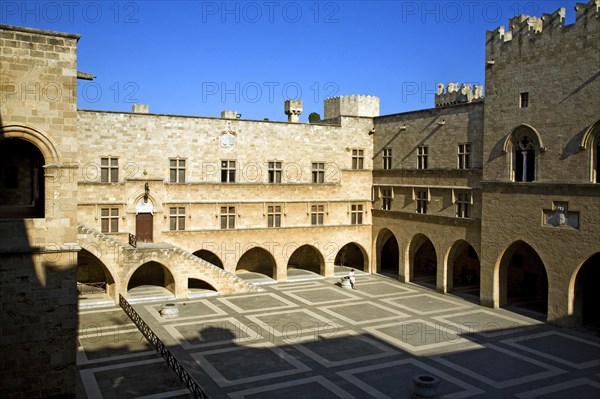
(314, 339)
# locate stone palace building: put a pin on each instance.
(494, 196)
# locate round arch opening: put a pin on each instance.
(308, 258)
(149, 275)
(423, 265)
(388, 254)
(21, 179)
(586, 294)
(200, 288)
(463, 269)
(257, 260)
(209, 257)
(353, 256)
(93, 278)
(523, 279)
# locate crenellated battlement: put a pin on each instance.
(453, 94)
(531, 26)
(353, 105)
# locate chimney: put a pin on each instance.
(229, 114)
(140, 108)
(293, 109)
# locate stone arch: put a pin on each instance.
(257, 260)
(352, 255)
(463, 268)
(388, 253)
(44, 143)
(307, 257)
(521, 278)
(199, 288)
(523, 146)
(22, 178)
(209, 257)
(94, 275)
(151, 272)
(584, 294)
(591, 143)
(423, 261)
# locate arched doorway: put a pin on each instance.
(210, 257)
(423, 261)
(353, 256)
(587, 294)
(388, 254)
(151, 274)
(463, 269)
(308, 258)
(92, 276)
(257, 260)
(21, 179)
(523, 280)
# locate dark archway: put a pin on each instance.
(152, 273)
(21, 180)
(352, 255)
(308, 258)
(587, 294)
(423, 261)
(388, 256)
(463, 269)
(92, 276)
(210, 257)
(257, 260)
(523, 279)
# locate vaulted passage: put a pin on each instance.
(523, 279)
(587, 294)
(424, 261)
(152, 274)
(209, 256)
(350, 255)
(21, 180)
(257, 260)
(463, 269)
(388, 256)
(92, 276)
(308, 258)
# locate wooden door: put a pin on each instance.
(143, 227)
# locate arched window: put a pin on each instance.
(523, 146)
(524, 160)
(590, 143)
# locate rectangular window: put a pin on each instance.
(177, 170)
(176, 218)
(463, 201)
(524, 100)
(227, 217)
(386, 198)
(274, 216)
(464, 156)
(318, 172)
(316, 215)
(422, 153)
(275, 172)
(358, 157)
(387, 158)
(109, 170)
(421, 202)
(109, 220)
(227, 171)
(356, 214)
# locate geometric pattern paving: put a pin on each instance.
(314, 339)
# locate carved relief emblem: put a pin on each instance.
(228, 137)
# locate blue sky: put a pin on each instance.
(202, 57)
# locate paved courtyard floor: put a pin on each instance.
(314, 339)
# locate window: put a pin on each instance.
(524, 164)
(275, 172)
(524, 100)
(463, 201)
(596, 161)
(386, 198)
(464, 156)
(109, 170)
(358, 159)
(177, 218)
(421, 201)
(227, 217)
(316, 215)
(422, 152)
(109, 220)
(274, 216)
(387, 158)
(177, 170)
(356, 214)
(227, 171)
(318, 172)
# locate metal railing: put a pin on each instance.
(91, 288)
(179, 370)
